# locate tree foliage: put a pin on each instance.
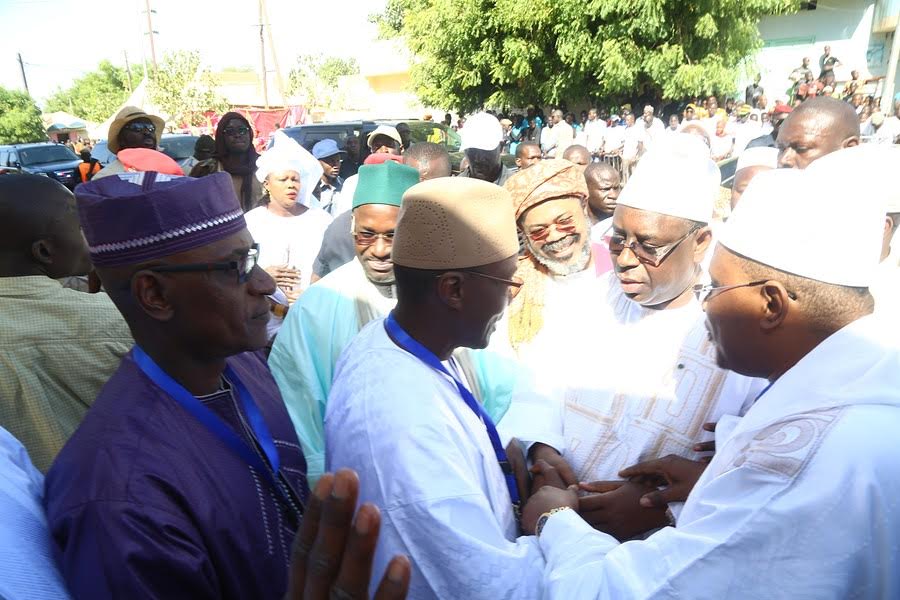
(95, 96)
(20, 118)
(314, 78)
(509, 53)
(183, 90)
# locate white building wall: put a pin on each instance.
(845, 25)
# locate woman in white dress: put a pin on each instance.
(288, 226)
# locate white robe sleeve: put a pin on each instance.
(423, 461)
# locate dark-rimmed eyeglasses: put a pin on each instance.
(705, 291)
(243, 267)
(235, 131)
(367, 238)
(140, 127)
(652, 255)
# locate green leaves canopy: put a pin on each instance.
(511, 53)
(20, 118)
(95, 96)
(183, 90)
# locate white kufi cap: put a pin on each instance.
(872, 167)
(760, 156)
(808, 225)
(676, 178)
(287, 155)
(482, 131)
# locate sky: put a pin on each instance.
(62, 39)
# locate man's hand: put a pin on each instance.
(332, 554)
(516, 459)
(709, 446)
(286, 277)
(616, 509)
(554, 459)
(677, 473)
(544, 500)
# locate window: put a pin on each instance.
(811, 5)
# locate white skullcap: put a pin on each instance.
(482, 131)
(759, 156)
(871, 165)
(287, 155)
(794, 221)
(676, 178)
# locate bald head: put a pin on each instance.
(430, 159)
(604, 184)
(39, 229)
(527, 154)
(577, 154)
(817, 127)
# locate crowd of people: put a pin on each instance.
(572, 378)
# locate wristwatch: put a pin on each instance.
(542, 520)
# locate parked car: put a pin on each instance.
(179, 147)
(44, 158)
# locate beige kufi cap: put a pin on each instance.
(678, 179)
(546, 180)
(454, 223)
(793, 220)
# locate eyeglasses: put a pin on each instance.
(652, 255)
(564, 224)
(514, 285)
(703, 292)
(367, 238)
(243, 267)
(235, 131)
(141, 127)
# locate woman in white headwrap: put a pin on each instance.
(289, 225)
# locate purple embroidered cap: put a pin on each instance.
(130, 218)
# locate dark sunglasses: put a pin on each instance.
(141, 127)
(235, 131)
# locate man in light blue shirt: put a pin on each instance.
(27, 567)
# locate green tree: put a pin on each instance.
(314, 78)
(510, 53)
(95, 96)
(20, 118)
(183, 90)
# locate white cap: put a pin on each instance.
(872, 167)
(760, 156)
(676, 178)
(287, 155)
(808, 225)
(386, 130)
(481, 132)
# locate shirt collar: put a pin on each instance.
(28, 285)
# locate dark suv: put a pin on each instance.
(53, 160)
(420, 131)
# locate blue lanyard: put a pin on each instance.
(212, 422)
(405, 341)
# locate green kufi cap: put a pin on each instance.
(384, 183)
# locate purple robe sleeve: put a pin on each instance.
(117, 549)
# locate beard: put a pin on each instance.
(561, 268)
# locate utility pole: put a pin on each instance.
(24, 79)
(128, 71)
(262, 55)
(278, 79)
(150, 32)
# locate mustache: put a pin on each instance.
(562, 243)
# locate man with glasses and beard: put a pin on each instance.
(552, 215)
(650, 393)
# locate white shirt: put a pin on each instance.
(720, 146)
(561, 137)
(594, 132)
(614, 138)
(425, 459)
(653, 133)
(634, 135)
(647, 395)
(292, 241)
(799, 501)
